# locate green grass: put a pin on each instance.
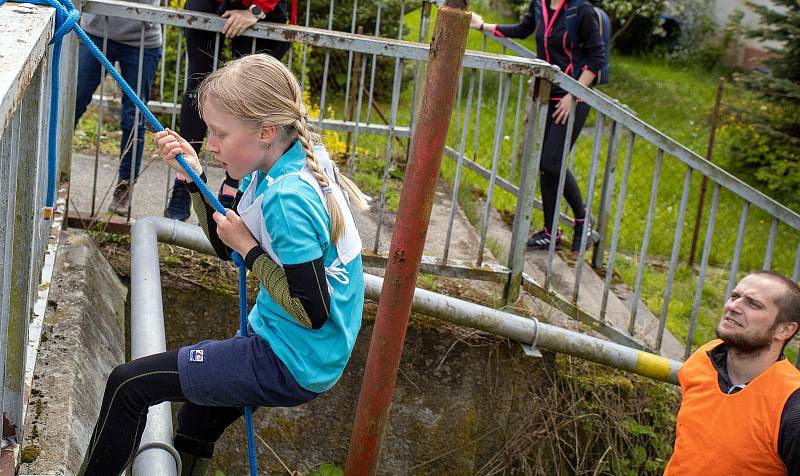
(678, 99)
(675, 98)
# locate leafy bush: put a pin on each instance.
(591, 420)
(763, 134)
(761, 138)
(519, 7)
(700, 40)
(634, 23)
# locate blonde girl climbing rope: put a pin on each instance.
(293, 225)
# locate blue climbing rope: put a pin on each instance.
(66, 21)
(248, 411)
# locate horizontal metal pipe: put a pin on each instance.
(530, 331)
(453, 310)
(330, 124)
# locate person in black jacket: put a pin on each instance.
(583, 61)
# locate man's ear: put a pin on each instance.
(787, 330)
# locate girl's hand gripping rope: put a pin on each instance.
(170, 144)
(234, 233)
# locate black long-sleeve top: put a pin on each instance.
(555, 47)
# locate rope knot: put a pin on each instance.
(66, 25)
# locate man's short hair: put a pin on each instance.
(789, 302)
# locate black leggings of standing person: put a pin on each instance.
(200, 46)
(550, 170)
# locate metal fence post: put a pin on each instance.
(535, 119)
(606, 196)
(69, 82)
(709, 157)
(413, 215)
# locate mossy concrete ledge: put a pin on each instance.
(83, 339)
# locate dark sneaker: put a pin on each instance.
(226, 201)
(180, 202)
(541, 240)
(583, 228)
(121, 198)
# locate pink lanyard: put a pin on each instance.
(548, 24)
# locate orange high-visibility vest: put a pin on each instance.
(720, 434)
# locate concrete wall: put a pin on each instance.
(458, 398)
(83, 338)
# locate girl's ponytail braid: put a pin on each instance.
(306, 139)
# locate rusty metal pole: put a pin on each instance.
(413, 214)
(709, 157)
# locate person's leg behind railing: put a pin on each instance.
(550, 167)
(128, 57)
(88, 77)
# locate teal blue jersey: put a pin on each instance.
(299, 228)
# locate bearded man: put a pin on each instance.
(740, 409)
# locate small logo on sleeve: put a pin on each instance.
(196, 355)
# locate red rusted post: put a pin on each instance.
(413, 214)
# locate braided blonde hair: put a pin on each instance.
(261, 91)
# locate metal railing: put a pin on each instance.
(25, 236)
(639, 183)
(782, 221)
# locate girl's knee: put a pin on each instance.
(121, 374)
(126, 382)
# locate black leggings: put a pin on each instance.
(131, 389)
(200, 49)
(550, 166)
